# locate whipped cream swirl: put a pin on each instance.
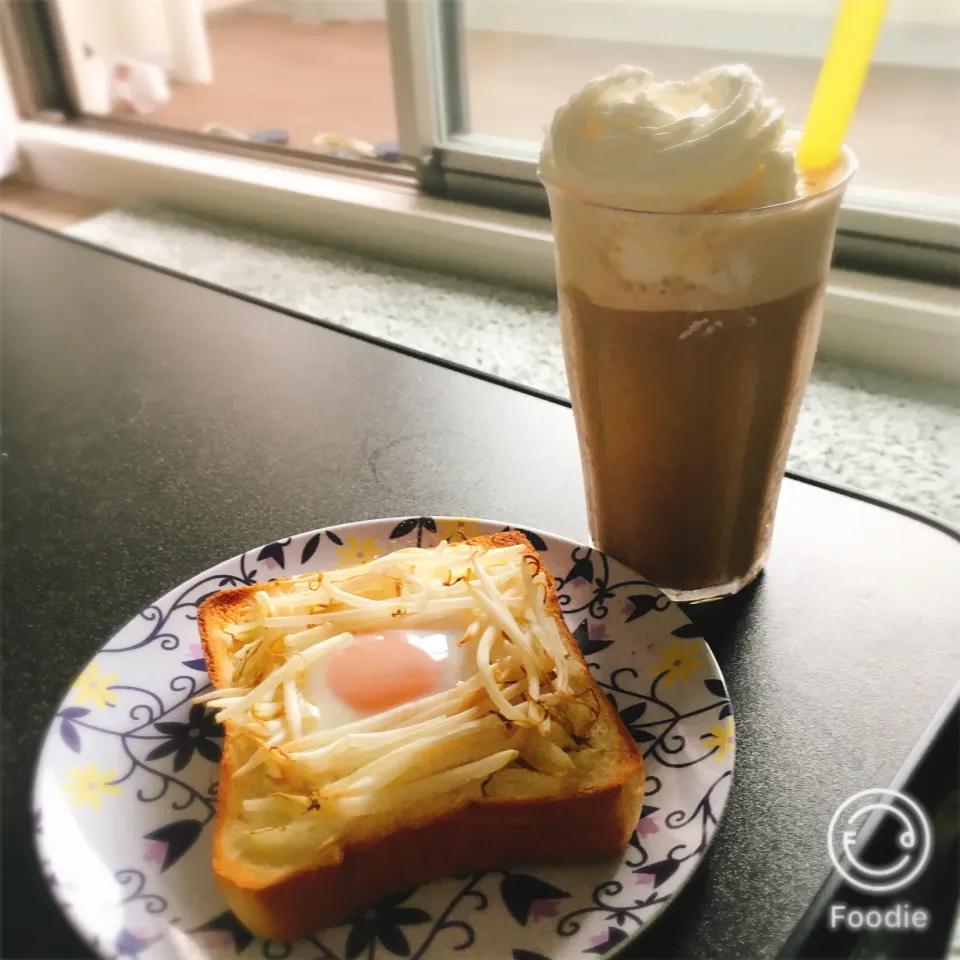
(710, 143)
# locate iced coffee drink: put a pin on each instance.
(691, 263)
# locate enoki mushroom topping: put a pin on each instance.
(316, 756)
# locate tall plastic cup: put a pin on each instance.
(688, 340)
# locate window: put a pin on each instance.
(309, 76)
(501, 67)
(522, 59)
(457, 92)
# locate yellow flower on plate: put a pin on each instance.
(356, 550)
(681, 658)
(720, 736)
(94, 686)
(88, 784)
(457, 529)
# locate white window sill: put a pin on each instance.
(895, 324)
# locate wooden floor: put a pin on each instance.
(306, 78)
(311, 78)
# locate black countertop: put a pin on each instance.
(153, 426)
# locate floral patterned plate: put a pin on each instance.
(126, 785)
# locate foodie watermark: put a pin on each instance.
(914, 847)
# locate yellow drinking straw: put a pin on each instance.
(838, 86)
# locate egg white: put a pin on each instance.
(458, 662)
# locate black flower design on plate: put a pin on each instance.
(536, 541)
(602, 943)
(716, 687)
(521, 893)
(661, 871)
(590, 645)
(272, 553)
(198, 735)
(233, 932)
(310, 548)
(419, 524)
(640, 604)
(130, 944)
(173, 840)
(383, 923)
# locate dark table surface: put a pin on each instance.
(152, 427)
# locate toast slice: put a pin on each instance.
(525, 761)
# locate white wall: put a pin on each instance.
(129, 28)
(117, 28)
(212, 6)
(8, 123)
(924, 33)
(322, 11)
(923, 11)
(916, 32)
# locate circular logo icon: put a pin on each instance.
(914, 840)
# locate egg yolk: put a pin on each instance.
(377, 671)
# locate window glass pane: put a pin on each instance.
(524, 58)
(310, 74)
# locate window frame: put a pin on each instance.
(900, 233)
(503, 237)
(36, 50)
(29, 46)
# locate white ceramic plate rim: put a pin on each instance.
(88, 936)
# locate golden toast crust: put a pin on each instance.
(494, 832)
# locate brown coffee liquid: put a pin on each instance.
(685, 421)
